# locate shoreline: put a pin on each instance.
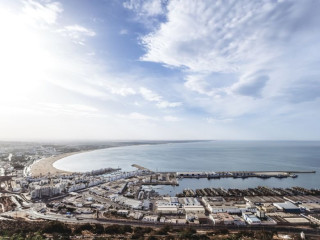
(45, 166)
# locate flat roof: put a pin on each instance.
(286, 205)
(310, 205)
(296, 220)
(253, 218)
(167, 206)
(194, 206)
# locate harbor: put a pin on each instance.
(258, 191)
(144, 195)
(235, 167)
(242, 174)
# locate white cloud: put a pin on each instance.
(219, 120)
(165, 104)
(151, 96)
(214, 42)
(77, 33)
(147, 8)
(251, 86)
(153, 7)
(246, 64)
(171, 119)
(138, 116)
(147, 12)
(123, 32)
(46, 12)
(197, 83)
(240, 52)
(123, 91)
(144, 117)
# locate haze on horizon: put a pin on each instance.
(159, 69)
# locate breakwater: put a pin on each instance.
(241, 174)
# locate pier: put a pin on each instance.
(140, 167)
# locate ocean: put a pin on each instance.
(210, 156)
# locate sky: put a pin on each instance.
(159, 69)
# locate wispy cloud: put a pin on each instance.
(252, 86)
(123, 91)
(151, 96)
(218, 120)
(123, 32)
(172, 119)
(138, 116)
(159, 68)
(251, 41)
(42, 12)
(77, 33)
(165, 104)
(147, 12)
(146, 8)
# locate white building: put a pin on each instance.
(150, 218)
(123, 212)
(219, 205)
(76, 187)
(251, 219)
(167, 209)
(194, 209)
(45, 192)
(190, 201)
(221, 218)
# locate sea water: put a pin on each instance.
(210, 156)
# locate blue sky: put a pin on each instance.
(159, 69)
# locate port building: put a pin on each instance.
(287, 207)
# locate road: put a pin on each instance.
(279, 228)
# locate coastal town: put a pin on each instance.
(32, 189)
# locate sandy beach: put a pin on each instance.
(45, 166)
